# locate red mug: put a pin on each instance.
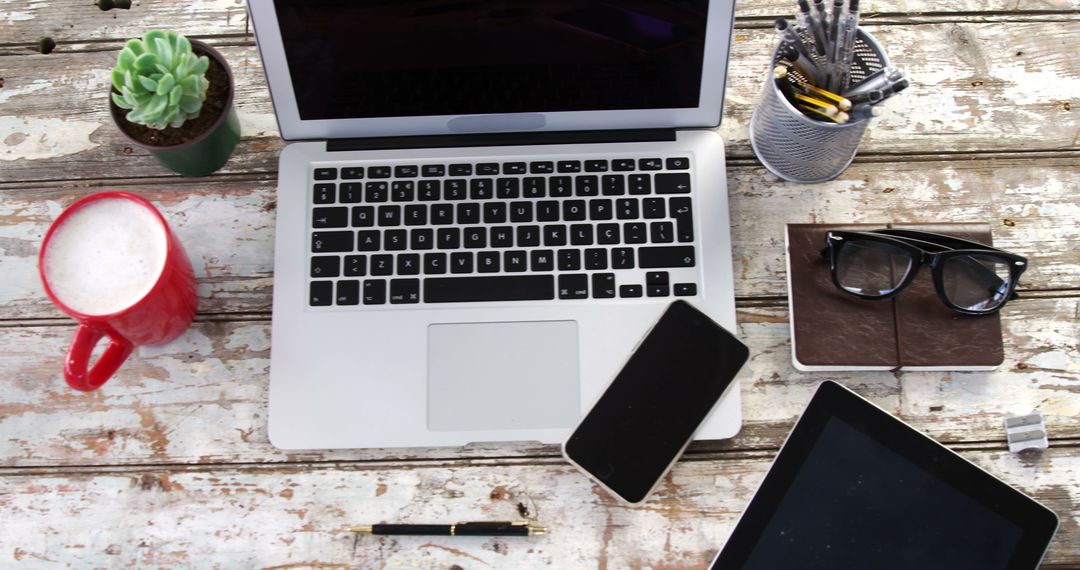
(155, 314)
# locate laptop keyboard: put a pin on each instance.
(428, 233)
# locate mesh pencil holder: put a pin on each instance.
(798, 148)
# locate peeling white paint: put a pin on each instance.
(35, 138)
(11, 90)
(253, 124)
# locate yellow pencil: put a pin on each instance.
(841, 102)
(828, 108)
(839, 118)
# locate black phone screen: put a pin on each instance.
(652, 408)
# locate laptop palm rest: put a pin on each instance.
(498, 376)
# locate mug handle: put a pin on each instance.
(78, 358)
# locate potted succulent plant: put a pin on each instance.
(174, 97)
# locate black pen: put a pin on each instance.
(498, 528)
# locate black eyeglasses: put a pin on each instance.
(970, 277)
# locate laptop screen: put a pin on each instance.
(397, 58)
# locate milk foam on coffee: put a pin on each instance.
(106, 256)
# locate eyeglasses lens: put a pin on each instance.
(976, 282)
(871, 268)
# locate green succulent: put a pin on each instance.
(160, 81)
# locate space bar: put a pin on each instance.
(501, 288)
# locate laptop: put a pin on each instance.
(483, 207)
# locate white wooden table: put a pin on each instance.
(169, 465)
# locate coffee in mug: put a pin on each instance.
(111, 262)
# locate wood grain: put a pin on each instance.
(298, 516)
(972, 91)
(227, 223)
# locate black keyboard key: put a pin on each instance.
(449, 238)
(607, 234)
(560, 187)
(475, 237)
(535, 187)
(666, 256)
(403, 191)
(368, 240)
(442, 214)
(678, 163)
(325, 174)
(348, 292)
(658, 290)
(587, 186)
(654, 208)
(528, 236)
(574, 286)
(554, 235)
(521, 212)
(513, 168)
(630, 291)
(325, 266)
(351, 192)
(415, 215)
(574, 210)
(595, 258)
(569, 259)
(404, 291)
(323, 193)
(406, 171)
(623, 164)
(421, 239)
(502, 236)
(675, 183)
(541, 167)
(640, 184)
(454, 189)
(434, 263)
(352, 172)
(507, 188)
(569, 166)
(650, 164)
(657, 278)
(581, 234)
(378, 172)
(460, 170)
(376, 192)
(547, 211)
(336, 217)
(596, 166)
(481, 188)
(515, 261)
(487, 168)
(389, 215)
(355, 265)
(634, 232)
(382, 264)
(408, 264)
(468, 213)
(363, 216)
(622, 258)
(374, 291)
(542, 260)
(685, 289)
(487, 262)
(494, 212)
(321, 293)
(489, 288)
(331, 242)
(613, 185)
(662, 232)
(430, 190)
(433, 170)
(603, 285)
(684, 218)
(600, 209)
(627, 209)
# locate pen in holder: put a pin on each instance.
(800, 149)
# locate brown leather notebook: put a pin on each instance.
(831, 330)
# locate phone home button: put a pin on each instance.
(604, 470)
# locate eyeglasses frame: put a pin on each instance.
(940, 250)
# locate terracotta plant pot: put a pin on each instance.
(199, 153)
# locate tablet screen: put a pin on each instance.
(856, 488)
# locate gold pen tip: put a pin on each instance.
(366, 529)
(535, 530)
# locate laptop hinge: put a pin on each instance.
(502, 139)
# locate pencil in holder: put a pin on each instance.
(800, 149)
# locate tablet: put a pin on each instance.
(854, 487)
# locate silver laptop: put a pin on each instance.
(484, 208)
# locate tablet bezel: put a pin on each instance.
(1039, 524)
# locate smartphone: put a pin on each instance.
(648, 415)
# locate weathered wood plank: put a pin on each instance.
(202, 399)
(24, 23)
(299, 517)
(976, 87)
(227, 224)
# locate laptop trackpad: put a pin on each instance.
(492, 376)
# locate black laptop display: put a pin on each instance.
(853, 487)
